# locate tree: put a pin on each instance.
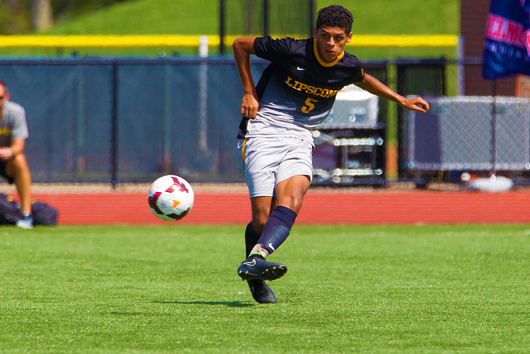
(41, 14)
(14, 17)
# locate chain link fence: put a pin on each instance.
(121, 120)
(277, 18)
(128, 120)
(470, 133)
(474, 125)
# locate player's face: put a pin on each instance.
(331, 42)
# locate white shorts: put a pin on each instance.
(265, 162)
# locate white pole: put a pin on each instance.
(203, 46)
(460, 59)
(203, 96)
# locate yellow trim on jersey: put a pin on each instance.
(5, 131)
(322, 62)
(243, 151)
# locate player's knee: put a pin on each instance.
(258, 221)
(293, 202)
(19, 159)
(17, 165)
(257, 226)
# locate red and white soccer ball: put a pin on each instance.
(170, 198)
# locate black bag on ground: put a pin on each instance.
(42, 213)
(9, 210)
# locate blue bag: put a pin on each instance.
(43, 214)
(9, 210)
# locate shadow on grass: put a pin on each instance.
(225, 303)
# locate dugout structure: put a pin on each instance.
(277, 18)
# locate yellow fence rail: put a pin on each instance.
(438, 40)
(104, 41)
(131, 41)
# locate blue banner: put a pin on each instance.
(507, 39)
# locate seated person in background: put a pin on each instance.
(13, 165)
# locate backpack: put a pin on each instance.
(9, 210)
(42, 213)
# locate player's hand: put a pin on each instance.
(416, 104)
(5, 153)
(249, 106)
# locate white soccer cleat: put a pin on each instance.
(26, 222)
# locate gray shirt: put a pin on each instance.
(13, 123)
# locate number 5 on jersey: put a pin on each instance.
(309, 105)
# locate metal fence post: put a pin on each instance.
(311, 18)
(222, 27)
(460, 58)
(265, 18)
(114, 127)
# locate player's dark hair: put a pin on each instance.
(2, 83)
(335, 16)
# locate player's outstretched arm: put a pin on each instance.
(376, 87)
(243, 47)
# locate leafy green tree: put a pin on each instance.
(14, 17)
(23, 16)
(63, 10)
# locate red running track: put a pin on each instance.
(363, 208)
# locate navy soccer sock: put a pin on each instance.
(277, 228)
(251, 238)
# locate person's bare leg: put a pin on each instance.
(262, 207)
(19, 169)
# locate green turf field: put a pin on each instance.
(377, 289)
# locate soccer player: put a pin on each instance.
(13, 165)
(295, 93)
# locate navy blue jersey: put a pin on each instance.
(298, 89)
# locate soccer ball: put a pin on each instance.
(170, 198)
